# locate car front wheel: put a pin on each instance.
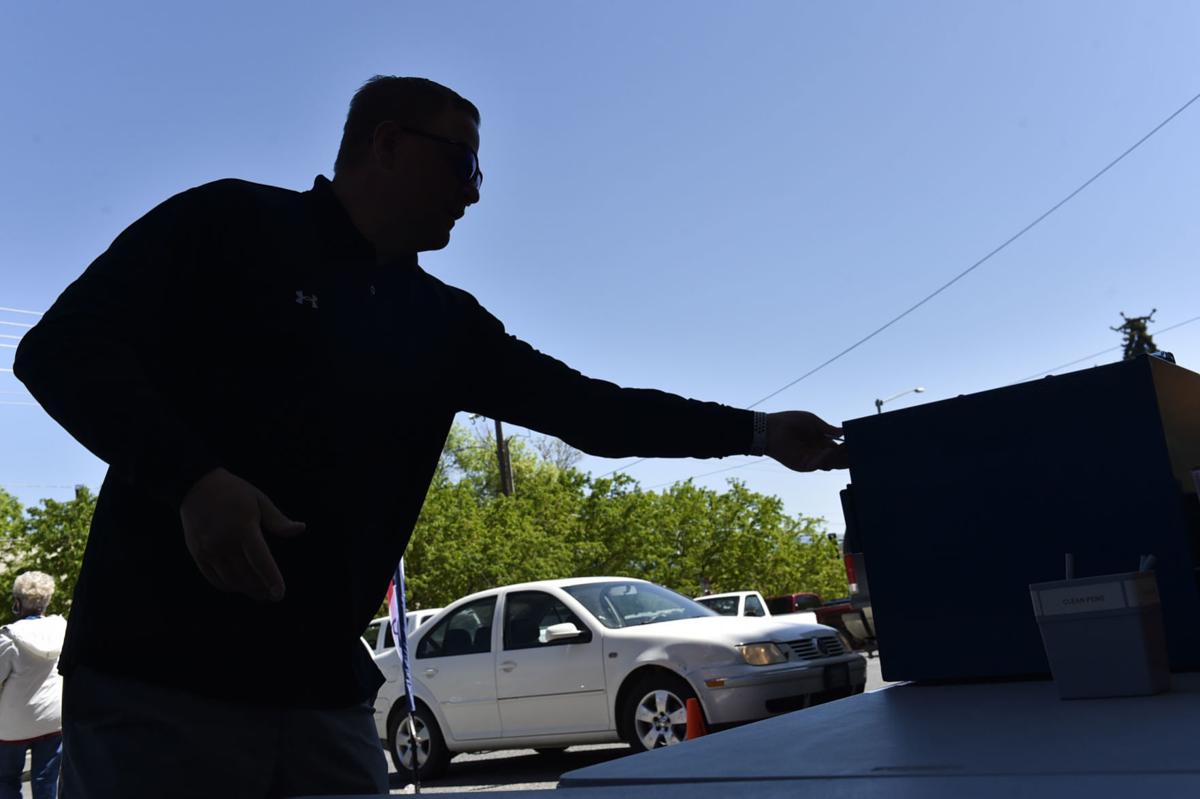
(430, 748)
(655, 712)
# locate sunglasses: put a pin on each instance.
(466, 162)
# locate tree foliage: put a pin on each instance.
(1137, 338)
(49, 538)
(563, 523)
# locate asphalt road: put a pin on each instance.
(524, 769)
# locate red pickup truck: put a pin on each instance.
(836, 613)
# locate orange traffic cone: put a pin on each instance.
(695, 720)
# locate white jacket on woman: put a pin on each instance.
(30, 686)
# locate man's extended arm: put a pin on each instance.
(510, 380)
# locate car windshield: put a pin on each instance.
(629, 604)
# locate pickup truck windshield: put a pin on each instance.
(628, 604)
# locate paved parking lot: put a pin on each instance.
(524, 769)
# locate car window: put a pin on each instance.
(418, 617)
(466, 631)
(779, 605)
(389, 640)
(371, 636)
(627, 604)
(807, 602)
(754, 607)
(724, 605)
(792, 603)
(527, 615)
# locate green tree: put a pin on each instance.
(470, 536)
(564, 523)
(50, 538)
(1137, 338)
(12, 530)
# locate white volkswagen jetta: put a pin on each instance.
(549, 664)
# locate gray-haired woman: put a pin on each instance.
(31, 690)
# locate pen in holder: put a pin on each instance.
(1103, 635)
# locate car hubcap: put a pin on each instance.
(660, 720)
(404, 742)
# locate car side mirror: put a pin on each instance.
(560, 632)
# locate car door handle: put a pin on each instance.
(430, 672)
(508, 665)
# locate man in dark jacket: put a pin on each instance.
(271, 376)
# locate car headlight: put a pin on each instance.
(762, 654)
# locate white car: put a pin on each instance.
(415, 618)
(549, 664)
(379, 635)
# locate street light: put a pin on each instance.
(879, 402)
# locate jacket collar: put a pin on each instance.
(339, 238)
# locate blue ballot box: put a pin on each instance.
(961, 505)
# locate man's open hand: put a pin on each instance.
(224, 518)
(804, 442)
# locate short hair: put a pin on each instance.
(411, 101)
(34, 590)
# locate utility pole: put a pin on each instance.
(506, 476)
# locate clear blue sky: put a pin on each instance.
(709, 198)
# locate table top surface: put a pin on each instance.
(950, 731)
(1060, 786)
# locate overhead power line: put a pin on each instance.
(1053, 369)
(987, 257)
(966, 271)
(22, 325)
(39, 485)
(709, 474)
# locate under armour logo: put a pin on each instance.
(302, 298)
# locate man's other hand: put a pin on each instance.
(224, 518)
(804, 442)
